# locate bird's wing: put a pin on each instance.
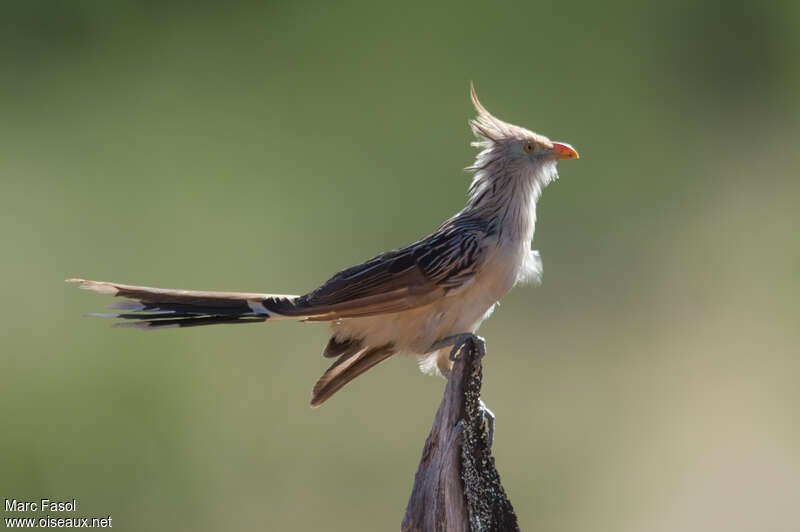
(401, 279)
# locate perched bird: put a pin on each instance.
(424, 299)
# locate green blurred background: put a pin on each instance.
(651, 383)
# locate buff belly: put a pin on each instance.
(414, 331)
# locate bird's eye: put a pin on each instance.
(529, 147)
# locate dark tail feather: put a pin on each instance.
(346, 368)
(336, 348)
(155, 316)
(171, 323)
(159, 308)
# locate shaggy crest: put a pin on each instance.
(491, 130)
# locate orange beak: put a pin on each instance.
(562, 150)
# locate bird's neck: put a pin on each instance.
(507, 201)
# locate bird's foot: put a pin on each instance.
(458, 341)
(489, 416)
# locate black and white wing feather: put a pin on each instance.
(398, 280)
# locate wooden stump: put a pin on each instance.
(457, 487)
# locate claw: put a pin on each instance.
(490, 417)
(458, 341)
(454, 351)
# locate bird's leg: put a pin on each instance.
(458, 341)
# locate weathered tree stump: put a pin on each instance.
(457, 487)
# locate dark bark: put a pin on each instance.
(457, 487)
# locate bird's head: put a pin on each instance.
(513, 152)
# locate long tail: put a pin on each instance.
(157, 308)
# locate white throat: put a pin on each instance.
(508, 198)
